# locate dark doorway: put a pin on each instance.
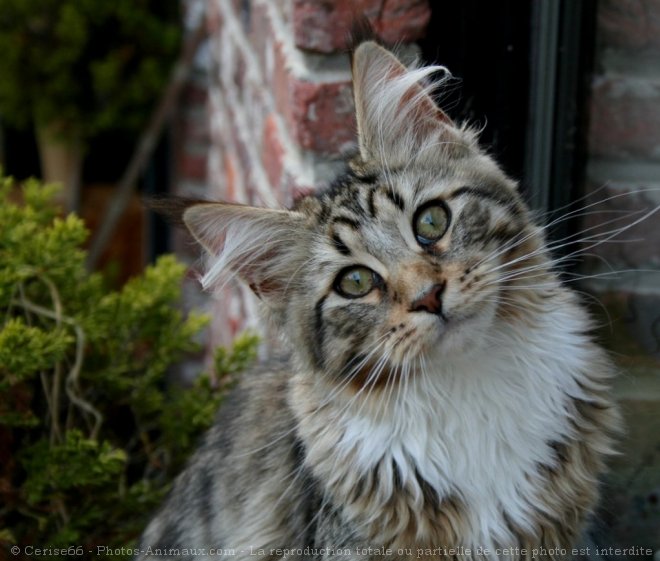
(522, 73)
(485, 45)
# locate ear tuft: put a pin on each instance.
(395, 113)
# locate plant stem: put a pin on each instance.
(71, 384)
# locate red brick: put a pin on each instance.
(224, 323)
(629, 24)
(299, 192)
(213, 18)
(272, 155)
(325, 25)
(195, 129)
(194, 95)
(262, 39)
(183, 244)
(192, 166)
(625, 119)
(242, 158)
(230, 177)
(637, 247)
(320, 116)
(323, 116)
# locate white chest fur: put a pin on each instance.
(475, 429)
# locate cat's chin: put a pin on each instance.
(457, 336)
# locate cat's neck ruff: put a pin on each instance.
(474, 428)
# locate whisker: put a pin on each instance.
(578, 213)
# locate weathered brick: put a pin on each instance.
(322, 116)
(231, 178)
(272, 152)
(262, 38)
(300, 191)
(629, 24)
(226, 320)
(625, 118)
(319, 114)
(623, 204)
(183, 245)
(325, 25)
(192, 165)
(254, 107)
(244, 162)
(194, 95)
(213, 18)
(194, 128)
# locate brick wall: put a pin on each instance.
(624, 144)
(273, 114)
(624, 162)
(190, 154)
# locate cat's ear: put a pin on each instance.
(396, 116)
(261, 246)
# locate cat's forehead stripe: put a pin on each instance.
(388, 191)
(351, 222)
(340, 245)
(319, 331)
(359, 199)
(500, 197)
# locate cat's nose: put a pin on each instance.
(430, 302)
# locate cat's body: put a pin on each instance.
(442, 389)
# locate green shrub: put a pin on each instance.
(87, 65)
(90, 434)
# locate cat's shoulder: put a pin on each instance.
(254, 408)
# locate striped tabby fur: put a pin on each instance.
(459, 402)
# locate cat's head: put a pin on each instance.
(404, 259)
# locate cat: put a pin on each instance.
(440, 395)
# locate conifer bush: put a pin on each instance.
(89, 66)
(91, 436)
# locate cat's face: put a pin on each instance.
(403, 265)
(403, 260)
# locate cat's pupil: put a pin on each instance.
(431, 223)
(355, 282)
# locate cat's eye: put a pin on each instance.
(355, 282)
(431, 222)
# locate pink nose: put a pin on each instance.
(431, 302)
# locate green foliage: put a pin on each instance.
(90, 434)
(85, 64)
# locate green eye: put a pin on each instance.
(431, 222)
(355, 282)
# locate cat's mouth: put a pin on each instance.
(364, 374)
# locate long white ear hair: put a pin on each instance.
(261, 246)
(397, 118)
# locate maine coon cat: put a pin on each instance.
(441, 395)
